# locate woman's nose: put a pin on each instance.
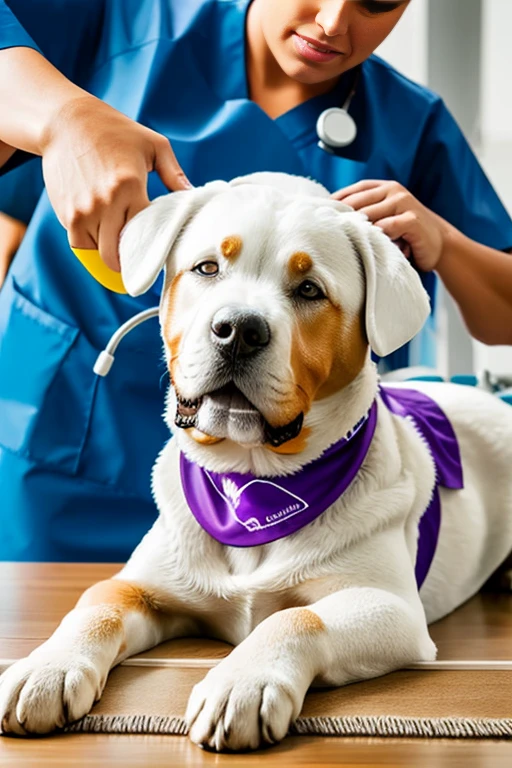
(334, 16)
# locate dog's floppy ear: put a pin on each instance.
(147, 240)
(397, 305)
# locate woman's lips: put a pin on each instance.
(306, 50)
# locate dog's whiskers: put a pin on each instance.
(283, 393)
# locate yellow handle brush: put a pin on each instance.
(92, 261)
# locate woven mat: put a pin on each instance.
(433, 704)
(438, 704)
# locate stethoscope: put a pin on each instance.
(335, 128)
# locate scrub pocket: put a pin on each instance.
(46, 383)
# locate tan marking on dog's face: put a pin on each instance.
(349, 358)
(231, 247)
(327, 354)
(202, 438)
(172, 340)
(174, 346)
(297, 445)
(299, 264)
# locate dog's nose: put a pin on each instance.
(240, 332)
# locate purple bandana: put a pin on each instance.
(242, 510)
(432, 424)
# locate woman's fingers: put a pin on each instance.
(167, 166)
(381, 210)
(80, 237)
(108, 239)
(359, 186)
(404, 247)
(390, 206)
(402, 226)
(359, 200)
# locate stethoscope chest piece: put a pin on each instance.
(335, 128)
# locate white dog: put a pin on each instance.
(274, 295)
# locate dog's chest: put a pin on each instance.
(233, 617)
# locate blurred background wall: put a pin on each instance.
(462, 49)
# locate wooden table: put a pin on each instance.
(34, 598)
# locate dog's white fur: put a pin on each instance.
(337, 601)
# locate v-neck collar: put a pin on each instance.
(299, 123)
(228, 76)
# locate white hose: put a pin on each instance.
(105, 359)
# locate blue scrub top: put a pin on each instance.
(76, 451)
(21, 189)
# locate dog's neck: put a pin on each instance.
(329, 420)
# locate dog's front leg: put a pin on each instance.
(60, 680)
(253, 695)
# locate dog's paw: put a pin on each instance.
(234, 710)
(46, 691)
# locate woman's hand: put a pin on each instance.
(95, 165)
(401, 217)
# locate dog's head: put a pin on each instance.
(273, 292)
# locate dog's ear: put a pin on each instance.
(397, 305)
(147, 240)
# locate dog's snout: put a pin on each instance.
(239, 331)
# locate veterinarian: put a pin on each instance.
(127, 99)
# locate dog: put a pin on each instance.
(271, 535)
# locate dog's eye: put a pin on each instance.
(310, 290)
(207, 268)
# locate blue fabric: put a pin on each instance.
(21, 189)
(67, 32)
(179, 68)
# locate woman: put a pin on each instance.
(235, 86)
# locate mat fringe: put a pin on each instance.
(410, 727)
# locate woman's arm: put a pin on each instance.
(479, 278)
(24, 76)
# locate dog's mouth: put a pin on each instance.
(227, 413)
